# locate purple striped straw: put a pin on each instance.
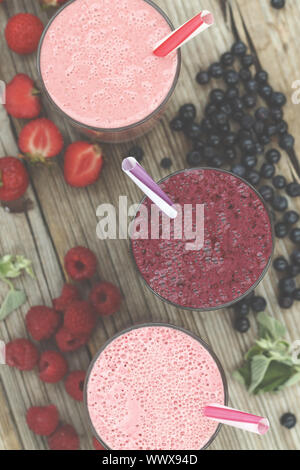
(141, 178)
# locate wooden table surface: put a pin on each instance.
(62, 217)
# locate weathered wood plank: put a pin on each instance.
(63, 217)
(30, 238)
(9, 439)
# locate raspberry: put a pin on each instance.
(97, 444)
(80, 263)
(68, 295)
(67, 342)
(105, 298)
(75, 383)
(41, 322)
(79, 318)
(22, 354)
(42, 420)
(65, 438)
(52, 366)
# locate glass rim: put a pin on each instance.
(136, 326)
(107, 130)
(252, 288)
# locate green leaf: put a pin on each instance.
(5, 265)
(283, 358)
(259, 367)
(239, 377)
(269, 365)
(22, 263)
(13, 300)
(243, 374)
(293, 380)
(269, 327)
(265, 344)
(254, 351)
(276, 376)
(12, 267)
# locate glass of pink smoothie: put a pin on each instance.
(97, 68)
(147, 386)
(237, 242)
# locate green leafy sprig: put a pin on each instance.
(12, 267)
(269, 365)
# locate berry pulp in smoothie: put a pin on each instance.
(147, 389)
(237, 247)
(98, 66)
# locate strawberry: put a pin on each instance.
(23, 32)
(22, 101)
(13, 179)
(40, 139)
(51, 3)
(83, 164)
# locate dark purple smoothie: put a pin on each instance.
(238, 243)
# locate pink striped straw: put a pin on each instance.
(184, 33)
(141, 178)
(237, 419)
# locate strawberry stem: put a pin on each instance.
(97, 149)
(35, 92)
(36, 159)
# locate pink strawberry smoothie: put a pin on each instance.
(237, 248)
(147, 389)
(97, 64)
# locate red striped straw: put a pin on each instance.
(237, 419)
(184, 33)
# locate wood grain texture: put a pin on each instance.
(63, 217)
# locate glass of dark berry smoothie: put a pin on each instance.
(232, 255)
